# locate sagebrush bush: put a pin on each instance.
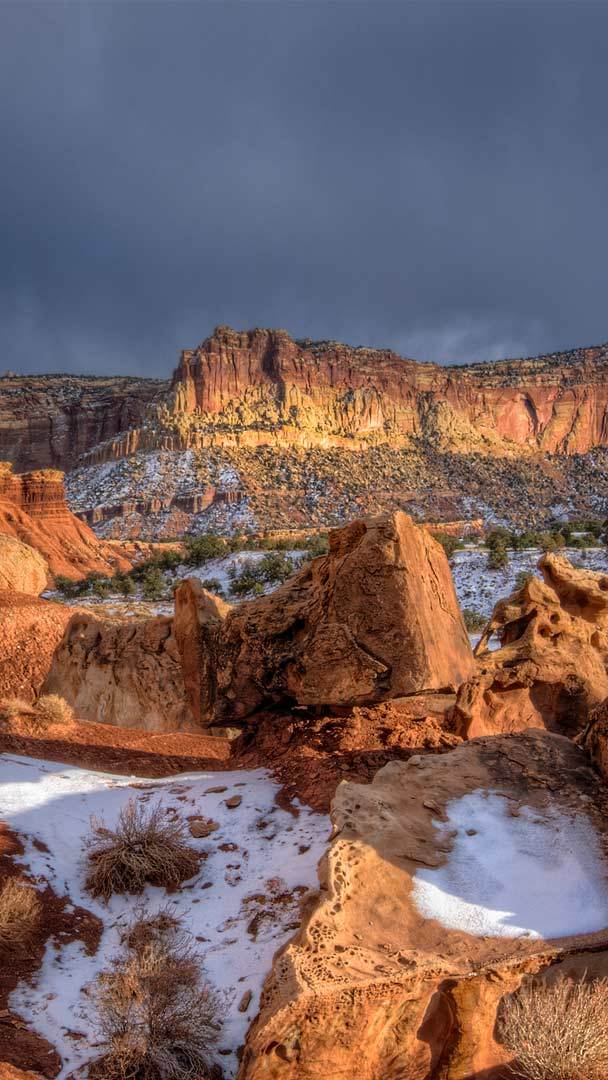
(10, 708)
(50, 709)
(157, 1018)
(558, 1032)
(20, 912)
(146, 847)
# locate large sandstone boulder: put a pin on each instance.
(22, 569)
(376, 984)
(376, 618)
(121, 671)
(552, 666)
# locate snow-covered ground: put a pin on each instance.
(258, 854)
(523, 874)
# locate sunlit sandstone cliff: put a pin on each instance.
(262, 387)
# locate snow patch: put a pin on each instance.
(241, 906)
(534, 875)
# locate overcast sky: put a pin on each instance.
(427, 176)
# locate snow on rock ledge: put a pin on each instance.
(387, 979)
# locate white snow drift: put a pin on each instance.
(532, 874)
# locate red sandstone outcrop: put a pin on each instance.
(50, 420)
(376, 618)
(371, 988)
(22, 569)
(552, 666)
(260, 387)
(33, 510)
(121, 671)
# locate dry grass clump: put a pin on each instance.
(558, 1032)
(146, 847)
(47, 710)
(20, 913)
(11, 708)
(157, 1018)
(51, 709)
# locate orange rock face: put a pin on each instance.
(553, 663)
(34, 511)
(21, 568)
(376, 618)
(369, 987)
(121, 671)
(556, 403)
(30, 632)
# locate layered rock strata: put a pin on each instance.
(33, 511)
(262, 387)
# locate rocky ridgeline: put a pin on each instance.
(315, 433)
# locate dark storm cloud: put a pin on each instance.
(429, 176)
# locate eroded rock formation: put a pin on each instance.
(260, 387)
(376, 618)
(30, 633)
(121, 671)
(33, 510)
(552, 666)
(371, 988)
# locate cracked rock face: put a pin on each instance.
(384, 982)
(377, 618)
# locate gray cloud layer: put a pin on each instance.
(427, 176)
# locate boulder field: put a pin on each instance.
(453, 877)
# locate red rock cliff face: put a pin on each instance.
(556, 403)
(50, 420)
(33, 509)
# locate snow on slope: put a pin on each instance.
(228, 906)
(530, 875)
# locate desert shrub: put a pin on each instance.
(169, 560)
(276, 566)
(157, 1017)
(10, 708)
(245, 579)
(498, 558)
(49, 709)
(213, 585)
(20, 912)
(154, 584)
(473, 620)
(316, 545)
(201, 549)
(450, 544)
(146, 847)
(125, 585)
(101, 587)
(558, 1032)
(69, 588)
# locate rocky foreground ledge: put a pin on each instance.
(450, 880)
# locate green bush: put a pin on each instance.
(125, 585)
(498, 558)
(450, 544)
(201, 549)
(154, 585)
(473, 620)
